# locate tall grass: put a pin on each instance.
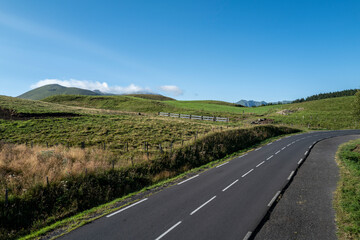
(22, 167)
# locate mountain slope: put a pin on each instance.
(251, 103)
(55, 89)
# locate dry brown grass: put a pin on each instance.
(22, 166)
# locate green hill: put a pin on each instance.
(54, 89)
(146, 105)
(157, 97)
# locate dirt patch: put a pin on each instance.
(263, 121)
(357, 149)
(10, 114)
(288, 111)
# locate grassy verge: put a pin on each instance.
(347, 200)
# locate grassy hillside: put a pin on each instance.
(136, 104)
(332, 113)
(31, 106)
(152, 97)
(54, 89)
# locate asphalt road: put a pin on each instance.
(305, 210)
(225, 202)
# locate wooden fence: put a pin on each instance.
(196, 117)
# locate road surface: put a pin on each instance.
(225, 202)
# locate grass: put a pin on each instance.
(123, 103)
(333, 113)
(22, 167)
(347, 200)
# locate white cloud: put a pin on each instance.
(90, 85)
(171, 89)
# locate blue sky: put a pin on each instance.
(220, 50)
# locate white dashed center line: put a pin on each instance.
(278, 152)
(162, 235)
(283, 148)
(300, 161)
(202, 205)
(306, 153)
(247, 173)
(258, 149)
(260, 164)
(230, 185)
(269, 157)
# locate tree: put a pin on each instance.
(356, 105)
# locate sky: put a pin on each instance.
(189, 50)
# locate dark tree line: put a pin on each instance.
(350, 92)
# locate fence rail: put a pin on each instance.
(196, 117)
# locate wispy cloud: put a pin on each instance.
(172, 89)
(91, 85)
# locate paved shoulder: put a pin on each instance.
(305, 210)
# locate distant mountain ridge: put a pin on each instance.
(251, 103)
(56, 89)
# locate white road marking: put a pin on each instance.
(123, 209)
(289, 145)
(293, 142)
(243, 155)
(278, 140)
(247, 236)
(162, 235)
(230, 185)
(260, 164)
(291, 175)
(300, 161)
(314, 142)
(222, 164)
(283, 148)
(273, 199)
(270, 143)
(258, 149)
(310, 146)
(306, 153)
(269, 157)
(278, 152)
(247, 173)
(202, 205)
(188, 179)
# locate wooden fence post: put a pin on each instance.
(160, 148)
(83, 145)
(47, 181)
